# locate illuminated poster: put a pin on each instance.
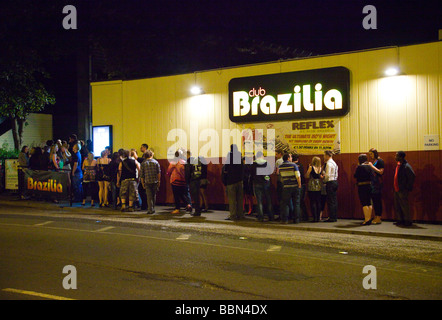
(309, 94)
(101, 138)
(303, 137)
(11, 174)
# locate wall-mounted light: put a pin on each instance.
(196, 90)
(392, 71)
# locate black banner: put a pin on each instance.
(319, 93)
(47, 183)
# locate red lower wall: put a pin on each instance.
(425, 199)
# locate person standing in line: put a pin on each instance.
(180, 188)
(314, 187)
(103, 179)
(128, 170)
(141, 191)
(233, 176)
(261, 186)
(278, 155)
(77, 173)
(291, 186)
(248, 185)
(331, 186)
(364, 177)
(404, 177)
(203, 185)
(113, 173)
(376, 187)
(193, 169)
(90, 169)
(304, 213)
(150, 179)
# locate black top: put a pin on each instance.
(363, 173)
(128, 169)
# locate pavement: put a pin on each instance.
(418, 231)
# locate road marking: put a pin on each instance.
(274, 248)
(312, 257)
(183, 237)
(104, 229)
(43, 223)
(36, 294)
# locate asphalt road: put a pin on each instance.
(163, 263)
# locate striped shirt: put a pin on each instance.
(289, 174)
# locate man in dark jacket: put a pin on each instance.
(233, 175)
(403, 184)
(193, 171)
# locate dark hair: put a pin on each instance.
(375, 152)
(362, 158)
(286, 156)
(295, 157)
(329, 153)
(145, 145)
(73, 136)
(116, 156)
(23, 149)
(401, 154)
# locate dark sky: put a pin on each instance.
(132, 39)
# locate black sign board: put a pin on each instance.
(319, 93)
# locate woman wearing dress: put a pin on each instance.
(90, 169)
(103, 179)
(364, 176)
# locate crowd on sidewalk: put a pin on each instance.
(126, 181)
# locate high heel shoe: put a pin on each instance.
(366, 223)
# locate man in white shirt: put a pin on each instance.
(331, 185)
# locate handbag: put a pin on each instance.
(314, 185)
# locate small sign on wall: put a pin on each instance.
(431, 142)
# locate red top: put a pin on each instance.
(396, 184)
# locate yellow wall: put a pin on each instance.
(389, 113)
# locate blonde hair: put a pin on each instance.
(90, 157)
(316, 162)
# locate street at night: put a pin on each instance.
(221, 158)
(200, 260)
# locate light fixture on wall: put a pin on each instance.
(196, 90)
(392, 71)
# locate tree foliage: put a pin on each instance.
(22, 92)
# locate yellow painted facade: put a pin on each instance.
(389, 113)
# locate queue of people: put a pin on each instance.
(130, 183)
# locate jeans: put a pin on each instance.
(290, 194)
(377, 203)
(115, 193)
(315, 204)
(151, 196)
(332, 199)
(77, 188)
(263, 190)
(235, 194)
(181, 193)
(194, 186)
(402, 207)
